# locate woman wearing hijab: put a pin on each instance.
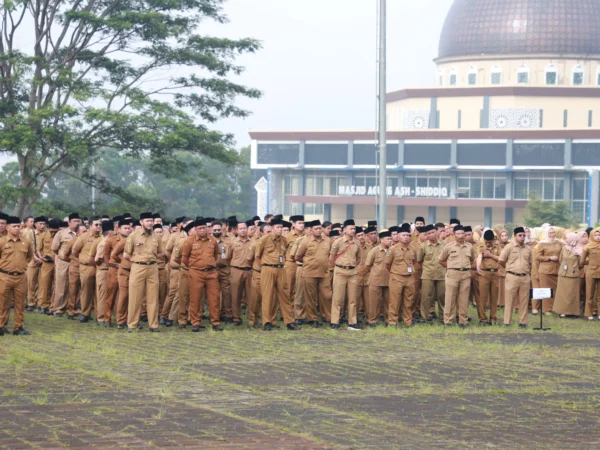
(548, 256)
(567, 292)
(591, 257)
(503, 242)
(583, 241)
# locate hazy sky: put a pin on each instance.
(317, 68)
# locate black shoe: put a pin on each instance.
(292, 327)
(162, 321)
(21, 332)
(227, 320)
(354, 327)
(30, 309)
(84, 319)
(204, 317)
(484, 323)
(268, 327)
(43, 310)
(121, 327)
(372, 325)
(144, 319)
(70, 317)
(197, 328)
(237, 323)
(189, 322)
(343, 320)
(315, 324)
(464, 325)
(48, 312)
(182, 326)
(299, 322)
(522, 325)
(469, 319)
(106, 324)
(154, 330)
(130, 330)
(168, 323)
(217, 327)
(98, 323)
(1, 332)
(381, 319)
(58, 315)
(335, 326)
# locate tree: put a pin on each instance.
(131, 75)
(555, 213)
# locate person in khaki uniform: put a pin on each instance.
(502, 242)
(313, 253)
(170, 311)
(270, 250)
(400, 260)
(474, 292)
(362, 274)
(101, 272)
(371, 233)
(420, 238)
(517, 258)
(62, 264)
(15, 253)
(241, 270)
(291, 268)
(569, 278)
(163, 283)
(224, 270)
(82, 250)
(199, 254)
(123, 273)
(47, 272)
(255, 300)
(112, 289)
(458, 257)
(143, 249)
(379, 279)
(433, 278)
(591, 258)
(183, 295)
(487, 268)
(34, 268)
(547, 254)
(345, 256)
(74, 304)
(299, 303)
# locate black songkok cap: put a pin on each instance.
(309, 224)
(394, 229)
(349, 222)
(249, 223)
(124, 222)
(385, 233)
(519, 230)
(360, 230)
(468, 229)
(296, 218)
(189, 227)
(106, 216)
(420, 219)
(12, 220)
(372, 223)
(370, 229)
(126, 215)
(200, 222)
(156, 216)
(276, 222)
(458, 228)
(179, 220)
(63, 224)
(489, 235)
(405, 228)
(157, 226)
(54, 224)
(40, 219)
(74, 216)
(315, 223)
(336, 225)
(232, 219)
(429, 228)
(117, 218)
(422, 229)
(146, 215)
(107, 226)
(278, 216)
(334, 233)
(456, 221)
(136, 223)
(173, 224)
(286, 224)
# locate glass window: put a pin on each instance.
(368, 154)
(278, 153)
(486, 185)
(520, 189)
(548, 186)
(481, 154)
(551, 75)
(598, 78)
(586, 154)
(416, 182)
(577, 75)
(453, 77)
(496, 75)
(500, 188)
(472, 76)
(313, 208)
(548, 190)
(427, 154)
(523, 75)
(326, 154)
(542, 154)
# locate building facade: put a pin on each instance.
(515, 113)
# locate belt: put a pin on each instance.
(13, 274)
(299, 264)
(185, 268)
(174, 268)
(84, 264)
(277, 266)
(63, 259)
(242, 268)
(124, 268)
(461, 270)
(256, 270)
(517, 274)
(103, 269)
(114, 266)
(221, 266)
(345, 267)
(145, 263)
(161, 268)
(207, 269)
(490, 270)
(48, 262)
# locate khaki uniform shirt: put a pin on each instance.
(271, 249)
(174, 240)
(291, 239)
(143, 247)
(176, 254)
(458, 256)
(117, 255)
(543, 251)
(223, 246)
(83, 247)
(61, 241)
(363, 273)
(379, 275)
(297, 243)
(15, 254)
(401, 260)
(489, 264)
(237, 252)
(37, 244)
(346, 252)
(110, 243)
(315, 256)
(101, 263)
(593, 256)
(429, 255)
(518, 258)
(46, 247)
(202, 252)
(569, 264)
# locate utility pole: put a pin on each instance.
(94, 188)
(382, 218)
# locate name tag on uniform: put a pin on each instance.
(7, 246)
(280, 259)
(566, 267)
(409, 269)
(138, 244)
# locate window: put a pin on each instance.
(598, 76)
(483, 185)
(291, 186)
(548, 186)
(368, 154)
(326, 154)
(278, 153)
(431, 154)
(319, 183)
(579, 196)
(539, 154)
(586, 154)
(313, 208)
(523, 75)
(577, 75)
(472, 76)
(551, 75)
(415, 182)
(482, 154)
(441, 77)
(496, 75)
(453, 77)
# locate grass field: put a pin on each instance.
(78, 385)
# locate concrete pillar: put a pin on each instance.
(327, 212)
(487, 217)
(400, 213)
(302, 188)
(567, 185)
(568, 154)
(350, 153)
(453, 212)
(431, 214)
(301, 153)
(453, 153)
(401, 154)
(508, 217)
(594, 198)
(453, 184)
(508, 176)
(433, 113)
(485, 113)
(349, 211)
(509, 154)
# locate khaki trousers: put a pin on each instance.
(488, 295)
(299, 299)
(362, 298)
(163, 287)
(458, 285)
(87, 276)
(45, 286)
(291, 268)
(123, 297)
(241, 284)
(402, 291)
(273, 286)
(317, 291)
(417, 298)
(432, 292)
(204, 282)
(224, 277)
(12, 288)
(169, 309)
(73, 304)
(143, 285)
(546, 281)
(33, 278)
(255, 301)
(517, 293)
(344, 285)
(378, 299)
(112, 288)
(101, 291)
(61, 286)
(501, 290)
(592, 289)
(184, 296)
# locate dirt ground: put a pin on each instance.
(80, 386)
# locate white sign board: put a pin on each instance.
(261, 200)
(541, 293)
(400, 191)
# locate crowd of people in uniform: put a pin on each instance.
(129, 271)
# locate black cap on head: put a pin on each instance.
(336, 225)
(276, 222)
(126, 215)
(135, 223)
(156, 216)
(454, 221)
(394, 229)
(458, 228)
(146, 215)
(74, 216)
(422, 229)
(249, 223)
(189, 227)
(173, 225)
(106, 216)
(63, 224)
(309, 224)
(278, 216)
(370, 229)
(297, 218)
(232, 218)
(255, 218)
(179, 220)
(13, 220)
(372, 223)
(489, 235)
(316, 223)
(334, 233)
(107, 226)
(286, 224)
(385, 233)
(84, 219)
(429, 228)
(200, 222)
(54, 224)
(199, 217)
(117, 218)
(3, 216)
(420, 219)
(40, 219)
(124, 222)
(468, 229)
(349, 222)
(157, 226)
(405, 228)
(519, 230)
(360, 230)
